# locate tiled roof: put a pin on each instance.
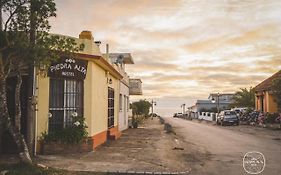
(266, 84)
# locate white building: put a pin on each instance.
(120, 60)
(213, 102)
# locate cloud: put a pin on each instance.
(183, 50)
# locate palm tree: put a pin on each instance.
(244, 98)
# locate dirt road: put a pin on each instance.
(220, 150)
(146, 149)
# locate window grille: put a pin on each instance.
(110, 107)
(66, 97)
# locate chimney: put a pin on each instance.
(107, 51)
(86, 35)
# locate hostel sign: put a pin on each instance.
(68, 68)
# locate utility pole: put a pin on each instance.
(218, 103)
(152, 104)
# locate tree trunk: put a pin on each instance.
(1, 63)
(18, 102)
(15, 133)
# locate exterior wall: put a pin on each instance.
(123, 114)
(271, 104)
(268, 105)
(95, 103)
(95, 99)
(199, 106)
(95, 109)
(116, 86)
(42, 105)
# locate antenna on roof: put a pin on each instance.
(119, 60)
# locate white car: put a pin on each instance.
(179, 114)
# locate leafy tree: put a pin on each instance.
(25, 43)
(276, 89)
(141, 107)
(244, 98)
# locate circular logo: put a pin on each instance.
(254, 162)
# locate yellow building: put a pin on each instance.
(85, 83)
(264, 99)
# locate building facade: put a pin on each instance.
(264, 99)
(87, 84)
(120, 60)
(213, 102)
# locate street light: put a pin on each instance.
(218, 102)
(153, 103)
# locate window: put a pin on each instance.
(125, 113)
(128, 104)
(120, 102)
(110, 107)
(66, 97)
(125, 99)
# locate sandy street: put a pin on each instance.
(223, 148)
(193, 147)
(145, 149)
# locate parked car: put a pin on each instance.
(227, 117)
(179, 114)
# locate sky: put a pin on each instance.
(183, 49)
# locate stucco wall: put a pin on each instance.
(97, 92)
(123, 114)
(116, 86)
(42, 105)
(271, 104)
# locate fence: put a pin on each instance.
(209, 116)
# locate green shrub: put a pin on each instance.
(69, 135)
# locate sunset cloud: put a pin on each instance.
(183, 50)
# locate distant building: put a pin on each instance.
(224, 98)
(224, 101)
(135, 87)
(264, 99)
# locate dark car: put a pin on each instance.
(227, 117)
(179, 114)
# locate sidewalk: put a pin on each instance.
(146, 149)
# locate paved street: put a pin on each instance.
(220, 150)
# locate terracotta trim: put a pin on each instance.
(99, 139)
(113, 133)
